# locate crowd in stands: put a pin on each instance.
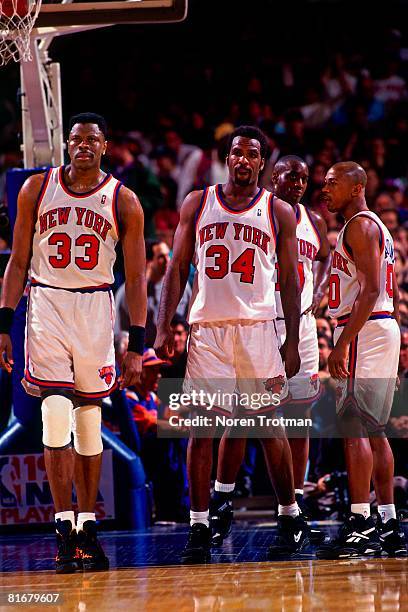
(353, 107)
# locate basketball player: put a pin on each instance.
(289, 179)
(363, 298)
(231, 230)
(68, 223)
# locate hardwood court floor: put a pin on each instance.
(145, 576)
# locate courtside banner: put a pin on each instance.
(25, 496)
(320, 407)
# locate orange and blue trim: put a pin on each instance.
(43, 189)
(222, 201)
(47, 384)
(86, 194)
(200, 209)
(272, 218)
(379, 314)
(115, 209)
(92, 289)
(97, 394)
(314, 226)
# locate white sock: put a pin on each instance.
(291, 510)
(298, 491)
(67, 515)
(224, 488)
(84, 516)
(363, 509)
(200, 517)
(387, 512)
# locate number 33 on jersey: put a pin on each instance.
(235, 259)
(75, 234)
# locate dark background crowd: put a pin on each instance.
(319, 83)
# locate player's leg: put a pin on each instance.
(88, 450)
(56, 411)
(49, 373)
(209, 370)
(94, 367)
(358, 536)
(231, 454)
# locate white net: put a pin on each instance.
(17, 18)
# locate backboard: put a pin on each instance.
(77, 13)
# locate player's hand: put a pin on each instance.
(337, 361)
(6, 354)
(164, 345)
(314, 307)
(131, 370)
(290, 357)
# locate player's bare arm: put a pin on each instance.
(363, 238)
(177, 273)
(287, 253)
(132, 223)
(15, 276)
(322, 263)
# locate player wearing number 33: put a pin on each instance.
(68, 223)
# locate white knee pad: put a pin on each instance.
(57, 421)
(87, 430)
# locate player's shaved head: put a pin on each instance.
(287, 162)
(352, 170)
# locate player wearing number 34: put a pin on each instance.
(69, 220)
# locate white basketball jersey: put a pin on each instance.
(344, 286)
(75, 234)
(234, 255)
(308, 246)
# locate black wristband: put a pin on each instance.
(136, 339)
(6, 320)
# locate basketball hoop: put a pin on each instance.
(17, 18)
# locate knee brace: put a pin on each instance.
(87, 430)
(57, 421)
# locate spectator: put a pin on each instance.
(157, 260)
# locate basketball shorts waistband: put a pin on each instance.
(341, 321)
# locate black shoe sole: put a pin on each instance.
(218, 540)
(69, 568)
(349, 553)
(98, 566)
(195, 558)
(293, 553)
(396, 554)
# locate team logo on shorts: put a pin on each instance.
(314, 381)
(107, 373)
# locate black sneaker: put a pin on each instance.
(316, 536)
(68, 559)
(221, 515)
(92, 555)
(357, 537)
(292, 539)
(392, 538)
(197, 549)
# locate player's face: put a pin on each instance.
(161, 257)
(290, 184)
(245, 161)
(86, 145)
(336, 191)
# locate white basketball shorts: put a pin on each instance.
(304, 387)
(69, 342)
(236, 358)
(373, 366)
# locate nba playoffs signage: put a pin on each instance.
(25, 495)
